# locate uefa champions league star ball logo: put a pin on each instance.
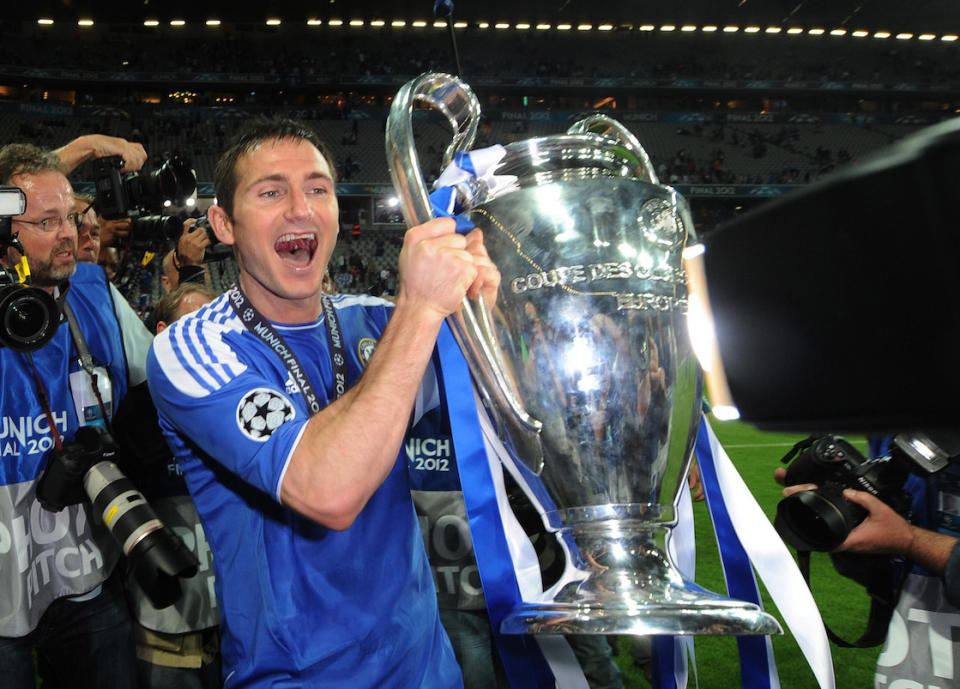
(261, 412)
(247, 315)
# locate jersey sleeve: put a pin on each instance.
(226, 404)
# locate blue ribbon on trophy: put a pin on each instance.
(469, 176)
(757, 669)
(522, 660)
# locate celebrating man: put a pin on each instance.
(289, 429)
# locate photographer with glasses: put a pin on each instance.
(58, 600)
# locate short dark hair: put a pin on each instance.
(27, 159)
(252, 134)
(167, 305)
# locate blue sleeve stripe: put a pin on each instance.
(194, 345)
(223, 364)
(170, 361)
(195, 357)
(182, 350)
(221, 313)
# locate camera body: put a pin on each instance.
(29, 316)
(821, 519)
(143, 196)
(217, 251)
(86, 469)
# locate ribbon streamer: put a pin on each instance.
(484, 496)
(468, 181)
(769, 556)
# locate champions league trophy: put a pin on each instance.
(584, 360)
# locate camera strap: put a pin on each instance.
(260, 326)
(877, 623)
(86, 361)
(44, 402)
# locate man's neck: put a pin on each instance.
(281, 309)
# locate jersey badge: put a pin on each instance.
(261, 412)
(365, 350)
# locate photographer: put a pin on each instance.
(919, 646)
(185, 263)
(88, 230)
(59, 602)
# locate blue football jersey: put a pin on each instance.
(301, 605)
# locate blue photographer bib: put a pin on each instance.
(46, 555)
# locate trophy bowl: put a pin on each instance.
(583, 361)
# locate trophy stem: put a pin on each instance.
(624, 583)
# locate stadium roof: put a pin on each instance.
(894, 15)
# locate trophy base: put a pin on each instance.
(624, 583)
(711, 615)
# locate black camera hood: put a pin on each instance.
(836, 306)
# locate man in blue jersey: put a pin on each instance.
(58, 604)
(289, 429)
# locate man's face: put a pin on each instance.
(88, 234)
(51, 251)
(284, 226)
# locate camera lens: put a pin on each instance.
(156, 228)
(156, 555)
(28, 317)
(174, 181)
(817, 520)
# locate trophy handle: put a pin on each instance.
(609, 127)
(458, 103)
(473, 325)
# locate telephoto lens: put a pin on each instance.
(156, 555)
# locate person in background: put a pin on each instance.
(177, 647)
(185, 263)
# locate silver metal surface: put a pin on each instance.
(585, 362)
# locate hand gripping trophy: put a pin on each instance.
(584, 359)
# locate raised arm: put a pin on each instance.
(349, 448)
(91, 146)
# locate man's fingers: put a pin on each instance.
(780, 476)
(799, 488)
(436, 228)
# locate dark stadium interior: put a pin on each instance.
(731, 118)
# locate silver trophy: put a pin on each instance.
(584, 360)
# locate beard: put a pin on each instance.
(43, 272)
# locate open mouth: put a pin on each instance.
(297, 249)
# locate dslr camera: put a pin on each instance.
(821, 519)
(217, 251)
(29, 316)
(143, 196)
(86, 469)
